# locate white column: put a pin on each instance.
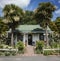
(38, 36)
(24, 38)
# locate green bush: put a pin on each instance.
(20, 46)
(5, 46)
(48, 52)
(59, 51)
(1, 46)
(39, 46)
(1, 53)
(13, 53)
(7, 53)
(55, 52)
(54, 45)
(37, 51)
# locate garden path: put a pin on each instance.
(29, 51)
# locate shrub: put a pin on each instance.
(54, 45)
(5, 46)
(1, 46)
(13, 53)
(37, 51)
(39, 46)
(47, 52)
(7, 53)
(54, 52)
(1, 53)
(20, 46)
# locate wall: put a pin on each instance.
(35, 37)
(25, 37)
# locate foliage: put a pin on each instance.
(37, 51)
(7, 53)
(3, 26)
(56, 37)
(20, 46)
(43, 13)
(53, 26)
(12, 14)
(48, 52)
(13, 53)
(54, 45)
(5, 46)
(1, 54)
(3, 29)
(54, 52)
(28, 18)
(1, 46)
(39, 46)
(12, 17)
(57, 22)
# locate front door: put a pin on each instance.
(29, 39)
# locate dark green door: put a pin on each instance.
(29, 39)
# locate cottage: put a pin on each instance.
(30, 34)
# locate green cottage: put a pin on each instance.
(30, 34)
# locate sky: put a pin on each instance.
(31, 5)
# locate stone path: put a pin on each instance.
(29, 51)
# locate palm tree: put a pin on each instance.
(57, 22)
(3, 28)
(12, 15)
(43, 15)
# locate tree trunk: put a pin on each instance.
(16, 40)
(12, 38)
(47, 37)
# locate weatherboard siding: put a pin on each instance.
(35, 37)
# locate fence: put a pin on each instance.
(8, 49)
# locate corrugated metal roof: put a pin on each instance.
(29, 28)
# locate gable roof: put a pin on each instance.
(30, 28)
